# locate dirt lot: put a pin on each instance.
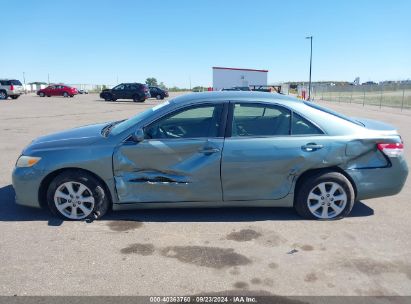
(182, 252)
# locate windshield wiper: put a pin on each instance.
(107, 129)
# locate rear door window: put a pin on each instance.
(260, 120)
(301, 126)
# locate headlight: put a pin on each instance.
(27, 161)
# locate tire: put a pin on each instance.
(108, 97)
(3, 95)
(136, 98)
(15, 97)
(48, 95)
(71, 96)
(158, 97)
(92, 203)
(41, 94)
(326, 195)
(65, 94)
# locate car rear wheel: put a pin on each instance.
(15, 97)
(158, 97)
(325, 196)
(65, 94)
(3, 95)
(77, 195)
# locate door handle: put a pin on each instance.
(310, 147)
(209, 150)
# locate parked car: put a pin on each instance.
(10, 88)
(237, 89)
(138, 92)
(215, 149)
(57, 90)
(158, 93)
(82, 91)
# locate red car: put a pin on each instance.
(57, 90)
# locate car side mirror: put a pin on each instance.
(138, 135)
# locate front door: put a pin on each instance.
(269, 145)
(118, 91)
(179, 160)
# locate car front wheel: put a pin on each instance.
(325, 196)
(42, 94)
(77, 195)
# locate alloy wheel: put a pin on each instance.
(74, 200)
(327, 200)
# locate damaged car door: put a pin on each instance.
(271, 145)
(177, 161)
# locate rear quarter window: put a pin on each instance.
(301, 126)
(15, 82)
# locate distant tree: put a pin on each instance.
(162, 86)
(199, 89)
(151, 82)
(177, 89)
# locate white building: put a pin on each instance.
(226, 78)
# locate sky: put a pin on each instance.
(178, 41)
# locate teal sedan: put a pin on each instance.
(215, 149)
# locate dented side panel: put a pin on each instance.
(168, 171)
(265, 168)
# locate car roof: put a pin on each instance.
(236, 96)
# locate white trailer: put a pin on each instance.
(226, 78)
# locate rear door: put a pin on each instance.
(267, 146)
(179, 161)
(18, 86)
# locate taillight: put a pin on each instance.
(11, 87)
(391, 149)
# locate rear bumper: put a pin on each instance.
(378, 182)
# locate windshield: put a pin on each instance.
(329, 111)
(122, 126)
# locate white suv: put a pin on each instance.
(10, 88)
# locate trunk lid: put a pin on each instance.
(377, 126)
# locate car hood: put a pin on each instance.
(81, 136)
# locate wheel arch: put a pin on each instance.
(42, 194)
(312, 172)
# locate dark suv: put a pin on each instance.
(136, 91)
(158, 93)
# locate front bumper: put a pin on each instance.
(26, 184)
(378, 182)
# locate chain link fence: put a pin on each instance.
(389, 95)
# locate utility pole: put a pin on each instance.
(24, 81)
(48, 78)
(311, 63)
